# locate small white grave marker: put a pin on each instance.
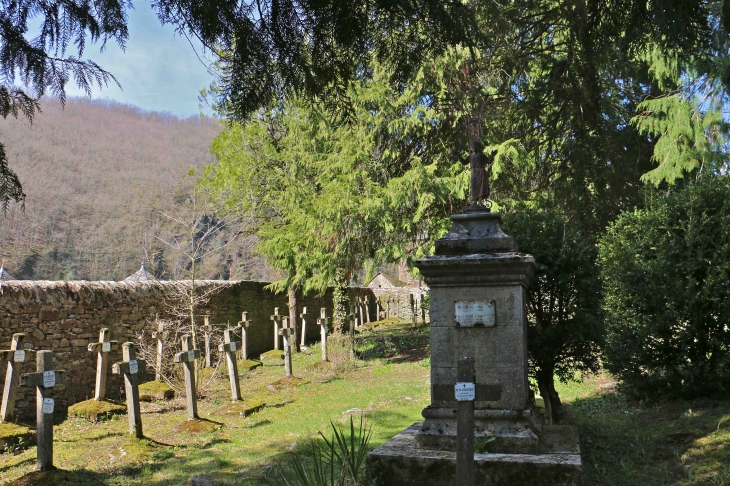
(106, 347)
(191, 355)
(19, 356)
(49, 379)
(133, 367)
(465, 392)
(47, 405)
(233, 346)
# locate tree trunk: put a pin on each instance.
(294, 317)
(546, 385)
(339, 300)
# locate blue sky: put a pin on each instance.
(159, 70)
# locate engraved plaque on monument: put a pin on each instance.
(474, 313)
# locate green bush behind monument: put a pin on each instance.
(666, 276)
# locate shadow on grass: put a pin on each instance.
(394, 345)
(627, 443)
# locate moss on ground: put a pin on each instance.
(155, 390)
(244, 408)
(287, 382)
(249, 364)
(275, 357)
(198, 426)
(96, 410)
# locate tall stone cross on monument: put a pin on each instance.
(102, 350)
(15, 357)
(276, 318)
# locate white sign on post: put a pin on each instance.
(47, 406)
(19, 356)
(133, 367)
(49, 379)
(465, 392)
(475, 312)
(233, 346)
(191, 355)
(106, 347)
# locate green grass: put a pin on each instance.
(682, 443)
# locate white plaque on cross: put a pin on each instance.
(464, 392)
(19, 356)
(106, 347)
(233, 346)
(49, 379)
(133, 367)
(191, 355)
(47, 406)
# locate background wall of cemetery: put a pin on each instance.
(66, 316)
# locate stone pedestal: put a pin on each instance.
(478, 283)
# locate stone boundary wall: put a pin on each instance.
(66, 316)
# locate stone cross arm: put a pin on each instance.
(46, 379)
(231, 347)
(17, 355)
(187, 356)
(287, 331)
(104, 347)
(128, 367)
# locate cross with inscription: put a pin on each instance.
(102, 349)
(15, 357)
(286, 332)
(276, 318)
(187, 357)
(303, 317)
(44, 380)
(229, 347)
(160, 335)
(323, 322)
(131, 368)
(243, 325)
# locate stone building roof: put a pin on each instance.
(4, 275)
(141, 275)
(385, 281)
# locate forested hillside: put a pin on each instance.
(99, 178)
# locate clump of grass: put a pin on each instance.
(335, 461)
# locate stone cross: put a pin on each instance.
(286, 332)
(359, 307)
(229, 347)
(208, 331)
(366, 303)
(379, 308)
(102, 349)
(413, 310)
(160, 335)
(276, 318)
(352, 319)
(303, 317)
(387, 303)
(14, 356)
(187, 357)
(243, 325)
(323, 322)
(131, 368)
(44, 380)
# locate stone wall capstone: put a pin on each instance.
(66, 316)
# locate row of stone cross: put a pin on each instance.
(391, 302)
(282, 328)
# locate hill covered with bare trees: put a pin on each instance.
(105, 183)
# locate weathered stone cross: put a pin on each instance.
(208, 331)
(303, 317)
(14, 356)
(160, 335)
(131, 368)
(44, 380)
(360, 309)
(102, 349)
(243, 324)
(323, 322)
(379, 308)
(352, 319)
(229, 347)
(276, 318)
(187, 357)
(286, 332)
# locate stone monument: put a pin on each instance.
(478, 281)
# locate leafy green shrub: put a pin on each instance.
(666, 276)
(565, 326)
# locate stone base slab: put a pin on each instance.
(399, 462)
